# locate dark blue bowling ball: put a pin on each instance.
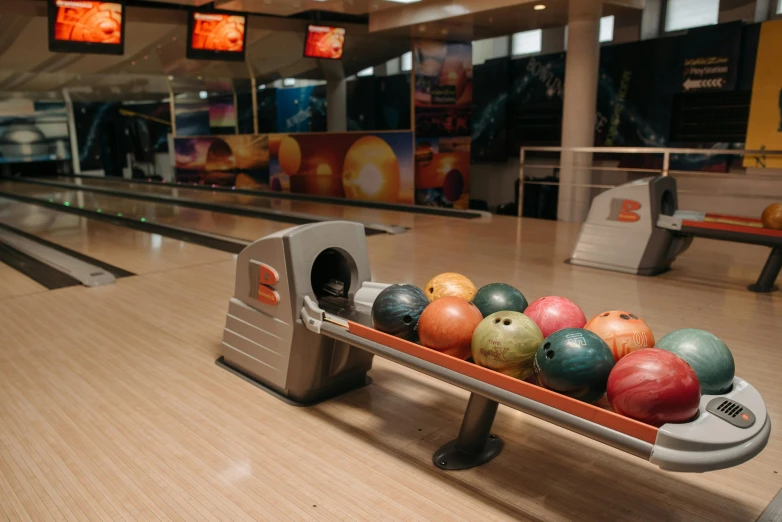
(396, 311)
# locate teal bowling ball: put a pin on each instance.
(707, 354)
(574, 362)
(499, 297)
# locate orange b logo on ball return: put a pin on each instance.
(624, 210)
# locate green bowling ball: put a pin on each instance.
(498, 297)
(574, 362)
(707, 354)
(506, 342)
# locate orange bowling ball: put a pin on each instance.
(447, 326)
(772, 216)
(622, 331)
(450, 284)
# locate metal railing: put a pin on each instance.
(568, 157)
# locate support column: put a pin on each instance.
(651, 19)
(579, 108)
(73, 138)
(336, 95)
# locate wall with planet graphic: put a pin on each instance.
(33, 131)
(240, 161)
(373, 166)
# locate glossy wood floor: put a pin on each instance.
(111, 406)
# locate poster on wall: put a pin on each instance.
(33, 131)
(192, 117)
(301, 109)
(373, 166)
(222, 114)
(764, 130)
(443, 90)
(240, 161)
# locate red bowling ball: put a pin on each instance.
(553, 313)
(654, 386)
(446, 325)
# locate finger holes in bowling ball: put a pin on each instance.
(605, 314)
(506, 322)
(633, 316)
(407, 319)
(625, 317)
(496, 321)
(547, 346)
(667, 203)
(550, 354)
(431, 289)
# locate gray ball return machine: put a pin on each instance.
(299, 327)
(638, 228)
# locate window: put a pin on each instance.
(779, 7)
(607, 28)
(407, 60)
(369, 71)
(527, 42)
(683, 14)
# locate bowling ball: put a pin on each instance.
(396, 311)
(450, 284)
(555, 313)
(709, 357)
(772, 216)
(623, 332)
(447, 324)
(574, 362)
(654, 386)
(497, 297)
(506, 342)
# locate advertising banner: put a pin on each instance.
(443, 113)
(764, 130)
(710, 57)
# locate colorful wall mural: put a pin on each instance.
(374, 166)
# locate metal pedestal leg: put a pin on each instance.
(475, 445)
(770, 272)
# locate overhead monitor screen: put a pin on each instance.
(324, 42)
(216, 36)
(86, 26)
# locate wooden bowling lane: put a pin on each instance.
(132, 250)
(129, 417)
(240, 227)
(329, 210)
(14, 283)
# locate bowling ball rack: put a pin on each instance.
(713, 440)
(299, 325)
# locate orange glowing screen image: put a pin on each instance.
(87, 21)
(324, 42)
(218, 32)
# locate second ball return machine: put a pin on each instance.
(299, 326)
(638, 228)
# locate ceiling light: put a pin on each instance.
(203, 95)
(539, 7)
(403, 1)
(170, 78)
(289, 82)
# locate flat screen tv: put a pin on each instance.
(216, 36)
(324, 42)
(86, 26)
